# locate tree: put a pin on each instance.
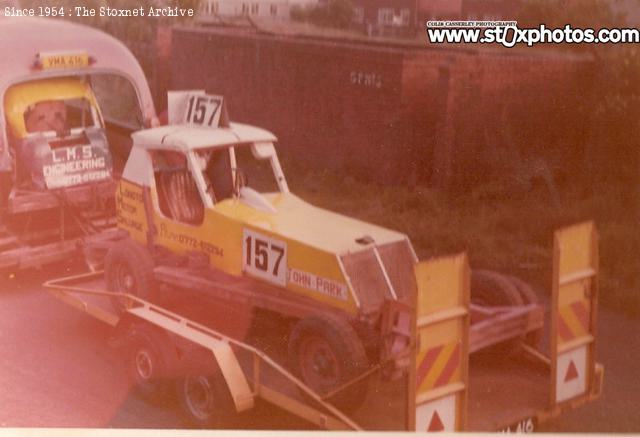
(340, 13)
(336, 13)
(557, 13)
(611, 113)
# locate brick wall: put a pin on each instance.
(388, 113)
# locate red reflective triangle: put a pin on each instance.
(572, 372)
(435, 424)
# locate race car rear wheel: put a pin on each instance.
(493, 289)
(529, 296)
(129, 270)
(326, 353)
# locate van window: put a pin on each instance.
(117, 99)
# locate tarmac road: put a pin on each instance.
(56, 371)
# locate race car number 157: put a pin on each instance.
(264, 257)
(203, 110)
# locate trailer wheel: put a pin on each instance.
(129, 269)
(146, 365)
(206, 401)
(325, 352)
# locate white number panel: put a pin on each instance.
(264, 257)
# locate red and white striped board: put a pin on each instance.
(573, 312)
(438, 377)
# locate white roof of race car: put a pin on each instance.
(186, 137)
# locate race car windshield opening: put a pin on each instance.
(258, 172)
(216, 169)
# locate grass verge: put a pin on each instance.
(501, 229)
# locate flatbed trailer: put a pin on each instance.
(248, 372)
(510, 391)
(447, 387)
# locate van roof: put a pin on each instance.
(23, 38)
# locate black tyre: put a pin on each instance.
(527, 293)
(493, 289)
(206, 402)
(146, 363)
(325, 352)
(529, 296)
(129, 269)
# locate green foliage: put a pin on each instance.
(499, 231)
(298, 13)
(340, 13)
(604, 187)
(557, 13)
(616, 111)
(336, 13)
(607, 110)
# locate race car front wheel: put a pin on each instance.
(128, 270)
(327, 354)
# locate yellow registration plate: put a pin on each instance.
(51, 61)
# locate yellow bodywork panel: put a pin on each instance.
(573, 292)
(441, 284)
(575, 243)
(130, 212)
(301, 221)
(575, 283)
(20, 97)
(241, 240)
(439, 374)
(574, 304)
(444, 332)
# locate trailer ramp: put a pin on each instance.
(248, 372)
(504, 388)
